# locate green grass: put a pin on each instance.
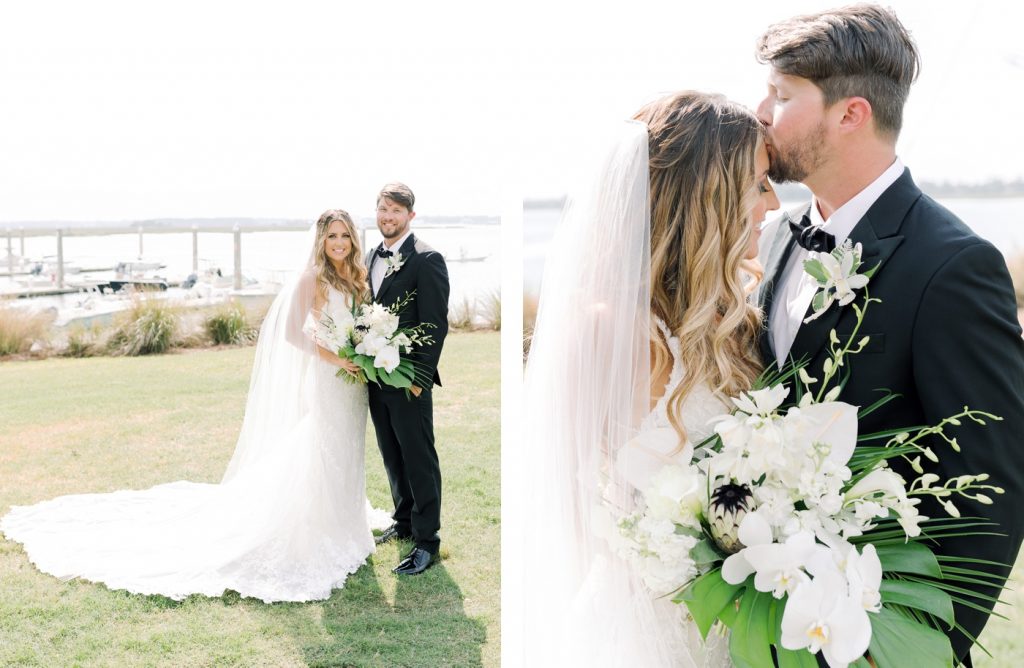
(100, 424)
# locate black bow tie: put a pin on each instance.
(812, 237)
(381, 252)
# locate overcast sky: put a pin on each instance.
(117, 110)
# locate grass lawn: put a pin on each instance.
(94, 425)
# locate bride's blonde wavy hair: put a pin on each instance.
(352, 278)
(702, 192)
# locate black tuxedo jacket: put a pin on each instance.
(423, 271)
(946, 335)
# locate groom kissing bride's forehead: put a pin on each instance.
(945, 333)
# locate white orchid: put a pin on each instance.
(821, 616)
(387, 358)
(394, 264)
(371, 345)
(780, 567)
(762, 402)
(836, 274)
(885, 488)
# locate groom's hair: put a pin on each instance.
(398, 193)
(859, 50)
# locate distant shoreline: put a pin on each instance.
(797, 193)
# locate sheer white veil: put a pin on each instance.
(587, 388)
(282, 381)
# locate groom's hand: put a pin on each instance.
(415, 390)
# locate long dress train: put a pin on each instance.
(289, 521)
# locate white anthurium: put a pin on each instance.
(821, 616)
(647, 453)
(779, 567)
(754, 530)
(833, 423)
(387, 358)
(761, 402)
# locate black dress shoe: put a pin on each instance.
(415, 562)
(391, 533)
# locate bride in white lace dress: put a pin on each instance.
(642, 330)
(289, 521)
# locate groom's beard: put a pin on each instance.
(801, 157)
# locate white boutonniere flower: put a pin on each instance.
(837, 277)
(394, 263)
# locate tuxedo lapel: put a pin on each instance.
(407, 250)
(878, 234)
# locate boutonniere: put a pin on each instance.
(394, 263)
(837, 276)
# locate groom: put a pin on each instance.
(403, 265)
(946, 333)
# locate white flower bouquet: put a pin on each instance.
(372, 339)
(798, 541)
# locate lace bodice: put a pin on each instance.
(656, 444)
(698, 407)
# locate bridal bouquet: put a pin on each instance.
(371, 338)
(795, 539)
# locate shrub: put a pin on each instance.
(492, 309)
(461, 315)
(20, 329)
(147, 328)
(530, 305)
(84, 342)
(230, 326)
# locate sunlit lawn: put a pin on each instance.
(93, 425)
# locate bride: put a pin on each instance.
(289, 521)
(643, 329)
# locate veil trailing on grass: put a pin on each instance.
(279, 385)
(587, 389)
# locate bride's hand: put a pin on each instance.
(348, 365)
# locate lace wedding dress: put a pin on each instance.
(673, 627)
(289, 521)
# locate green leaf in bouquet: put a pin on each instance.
(920, 596)
(371, 373)
(751, 639)
(799, 658)
(947, 586)
(896, 637)
(862, 413)
(406, 369)
(707, 597)
(704, 553)
(395, 379)
(909, 558)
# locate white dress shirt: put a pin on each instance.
(795, 288)
(380, 266)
